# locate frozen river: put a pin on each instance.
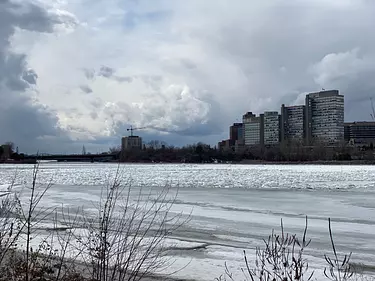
(235, 206)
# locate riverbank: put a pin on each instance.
(13, 258)
(263, 162)
(231, 207)
(317, 162)
(242, 162)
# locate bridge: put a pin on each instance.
(76, 157)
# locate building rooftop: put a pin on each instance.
(325, 93)
(294, 106)
(360, 123)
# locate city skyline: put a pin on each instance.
(69, 76)
(320, 121)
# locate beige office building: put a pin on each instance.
(131, 143)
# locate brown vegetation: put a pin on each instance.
(286, 152)
(125, 241)
(282, 258)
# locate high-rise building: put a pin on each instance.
(253, 132)
(271, 128)
(292, 124)
(360, 132)
(236, 132)
(247, 117)
(131, 143)
(324, 117)
(240, 134)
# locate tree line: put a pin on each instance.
(203, 153)
(9, 151)
(160, 152)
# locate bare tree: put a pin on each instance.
(115, 149)
(10, 145)
(155, 144)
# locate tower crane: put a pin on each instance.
(131, 129)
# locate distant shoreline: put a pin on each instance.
(243, 162)
(262, 162)
(318, 162)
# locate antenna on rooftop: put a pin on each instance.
(373, 110)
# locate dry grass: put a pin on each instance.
(282, 259)
(124, 241)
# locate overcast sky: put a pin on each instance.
(76, 72)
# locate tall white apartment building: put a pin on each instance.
(324, 117)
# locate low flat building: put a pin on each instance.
(360, 133)
(226, 145)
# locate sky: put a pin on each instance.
(80, 72)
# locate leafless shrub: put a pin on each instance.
(19, 259)
(43, 264)
(10, 226)
(66, 258)
(281, 258)
(338, 270)
(30, 215)
(127, 240)
(342, 269)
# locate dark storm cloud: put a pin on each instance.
(265, 60)
(89, 73)
(12, 68)
(188, 64)
(253, 57)
(22, 121)
(86, 89)
(353, 73)
(124, 79)
(106, 71)
(30, 76)
(93, 115)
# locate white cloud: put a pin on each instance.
(339, 69)
(192, 67)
